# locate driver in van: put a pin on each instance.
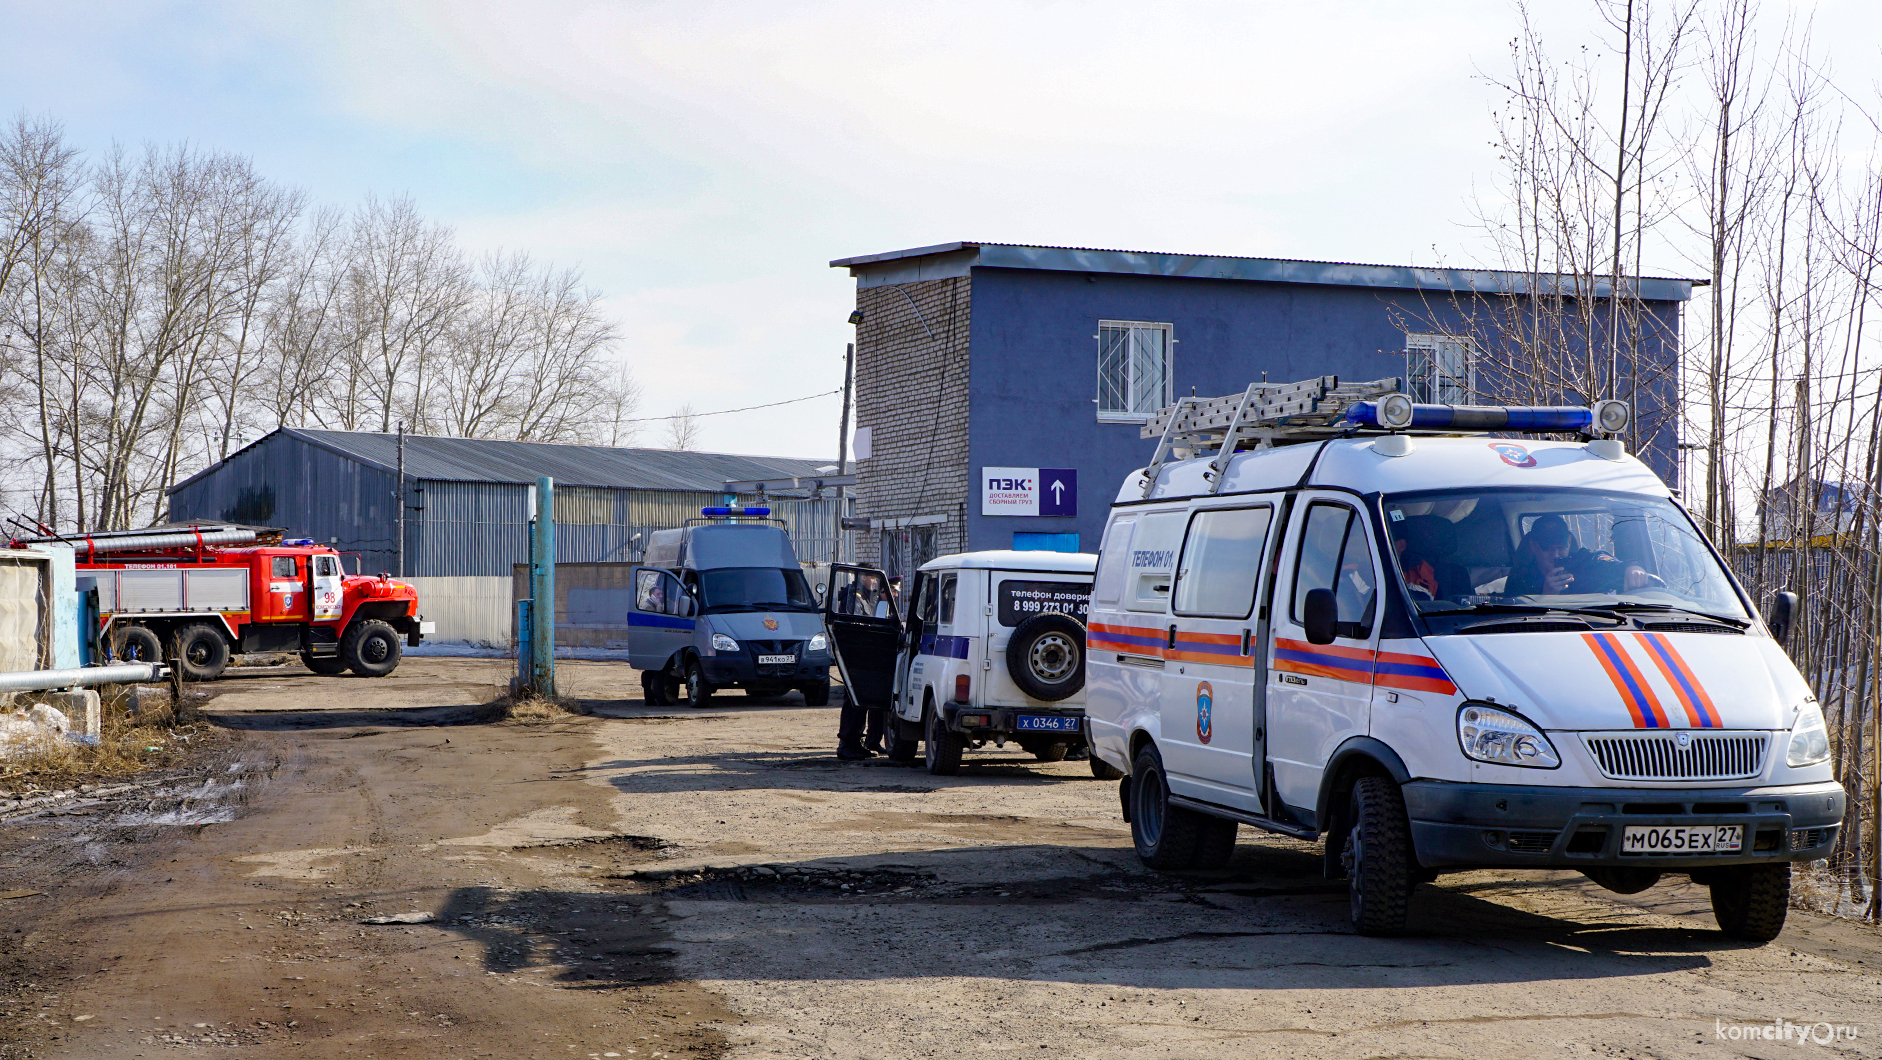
(1550, 561)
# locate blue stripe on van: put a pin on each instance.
(945, 647)
(636, 618)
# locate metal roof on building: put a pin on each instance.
(955, 259)
(487, 460)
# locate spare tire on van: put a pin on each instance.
(1046, 656)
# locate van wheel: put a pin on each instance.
(698, 689)
(1165, 835)
(1045, 750)
(1046, 656)
(653, 688)
(1215, 844)
(1749, 901)
(1104, 770)
(944, 746)
(137, 644)
(202, 653)
(817, 695)
(371, 648)
(324, 665)
(1377, 858)
(899, 748)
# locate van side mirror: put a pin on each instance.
(686, 605)
(1783, 609)
(1320, 616)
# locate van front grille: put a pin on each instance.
(1658, 755)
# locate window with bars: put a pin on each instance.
(1133, 369)
(1440, 369)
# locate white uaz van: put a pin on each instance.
(993, 649)
(1446, 652)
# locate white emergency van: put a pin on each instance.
(992, 650)
(1325, 610)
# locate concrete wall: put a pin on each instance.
(468, 610)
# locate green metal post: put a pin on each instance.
(542, 590)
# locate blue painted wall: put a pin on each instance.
(1033, 372)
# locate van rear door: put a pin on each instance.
(865, 632)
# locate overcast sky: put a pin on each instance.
(702, 162)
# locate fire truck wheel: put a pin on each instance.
(201, 653)
(325, 665)
(1046, 656)
(371, 648)
(137, 644)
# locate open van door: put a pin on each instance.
(859, 613)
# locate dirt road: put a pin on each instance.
(674, 883)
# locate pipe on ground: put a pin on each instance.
(115, 674)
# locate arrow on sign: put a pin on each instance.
(1058, 492)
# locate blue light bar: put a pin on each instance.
(1546, 418)
(726, 513)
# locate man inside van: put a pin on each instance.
(1550, 562)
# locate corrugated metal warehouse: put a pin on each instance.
(467, 500)
(467, 504)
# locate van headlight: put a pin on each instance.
(1489, 734)
(818, 643)
(721, 642)
(1810, 740)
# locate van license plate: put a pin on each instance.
(1045, 723)
(776, 660)
(1688, 839)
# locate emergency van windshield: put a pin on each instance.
(755, 589)
(1467, 552)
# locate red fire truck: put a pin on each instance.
(194, 596)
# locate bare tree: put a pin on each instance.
(683, 429)
(406, 285)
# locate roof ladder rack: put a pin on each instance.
(1265, 414)
(1165, 444)
(1219, 467)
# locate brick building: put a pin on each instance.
(976, 360)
